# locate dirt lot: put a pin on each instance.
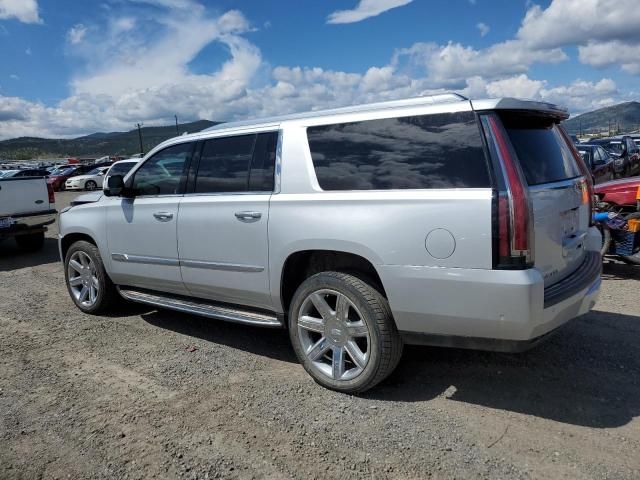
(147, 393)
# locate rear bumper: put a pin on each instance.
(486, 309)
(28, 223)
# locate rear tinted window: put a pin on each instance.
(429, 151)
(224, 164)
(544, 155)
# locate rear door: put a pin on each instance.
(222, 226)
(557, 190)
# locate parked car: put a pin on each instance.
(623, 193)
(58, 178)
(360, 229)
(625, 152)
(27, 172)
(27, 206)
(598, 160)
(90, 181)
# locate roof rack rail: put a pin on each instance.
(405, 102)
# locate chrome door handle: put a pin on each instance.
(248, 215)
(163, 216)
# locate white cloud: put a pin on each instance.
(365, 9)
(567, 22)
(25, 11)
(28, 51)
(606, 54)
(605, 31)
(516, 86)
(136, 68)
(13, 76)
(450, 65)
(76, 34)
(483, 28)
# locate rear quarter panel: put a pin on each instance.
(387, 227)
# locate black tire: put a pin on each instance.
(107, 295)
(31, 242)
(90, 185)
(385, 344)
(632, 259)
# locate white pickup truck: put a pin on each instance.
(27, 206)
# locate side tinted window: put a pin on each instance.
(224, 164)
(261, 175)
(162, 173)
(429, 151)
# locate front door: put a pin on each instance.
(222, 225)
(141, 231)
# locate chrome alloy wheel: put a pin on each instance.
(333, 335)
(82, 278)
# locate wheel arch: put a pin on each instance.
(301, 264)
(71, 238)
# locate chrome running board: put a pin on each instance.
(202, 307)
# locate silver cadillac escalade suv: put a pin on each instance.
(433, 220)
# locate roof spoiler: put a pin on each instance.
(550, 109)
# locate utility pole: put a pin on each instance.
(177, 132)
(139, 125)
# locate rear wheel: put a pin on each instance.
(88, 284)
(30, 242)
(343, 332)
(90, 185)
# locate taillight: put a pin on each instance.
(52, 195)
(514, 216)
(588, 192)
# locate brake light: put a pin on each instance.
(515, 219)
(588, 192)
(52, 195)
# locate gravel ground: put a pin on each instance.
(145, 393)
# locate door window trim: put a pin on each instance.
(197, 155)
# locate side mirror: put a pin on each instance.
(115, 186)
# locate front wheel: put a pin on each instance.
(90, 185)
(343, 333)
(88, 284)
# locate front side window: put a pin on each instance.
(428, 151)
(121, 168)
(162, 173)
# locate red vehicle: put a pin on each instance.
(624, 193)
(59, 176)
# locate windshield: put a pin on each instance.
(62, 170)
(615, 147)
(95, 171)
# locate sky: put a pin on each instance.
(72, 67)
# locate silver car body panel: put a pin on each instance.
(207, 252)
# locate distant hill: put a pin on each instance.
(96, 144)
(625, 116)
